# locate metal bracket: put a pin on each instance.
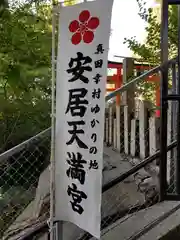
(173, 97)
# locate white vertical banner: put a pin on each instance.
(80, 104)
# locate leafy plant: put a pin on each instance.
(149, 50)
(25, 72)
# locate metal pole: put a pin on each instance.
(55, 233)
(164, 103)
(178, 112)
(174, 129)
(58, 231)
(52, 177)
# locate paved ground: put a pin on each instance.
(152, 223)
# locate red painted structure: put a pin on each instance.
(140, 68)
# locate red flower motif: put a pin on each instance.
(82, 29)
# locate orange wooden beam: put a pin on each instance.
(154, 78)
(117, 80)
(110, 89)
(118, 84)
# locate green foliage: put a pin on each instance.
(25, 72)
(149, 50)
(25, 96)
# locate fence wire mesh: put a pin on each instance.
(139, 138)
(141, 189)
(20, 169)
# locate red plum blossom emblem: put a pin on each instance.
(84, 28)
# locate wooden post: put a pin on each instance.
(104, 127)
(142, 129)
(128, 101)
(158, 100)
(115, 134)
(128, 74)
(133, 138)
(110, 125)
(118, 113)
(152, 135)
(107, 130)
(118, 127)
(126, 130)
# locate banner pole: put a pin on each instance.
(55, 230)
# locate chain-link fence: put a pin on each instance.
(139, 189)
(22, 166)
(134, 133)
(138, 140)
(20, 169)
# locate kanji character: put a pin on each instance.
(99, 49)
(77, 103)
(93, 150)
(95, 109)
(93, 164)
(80, 67)
(98, 63)
(97, 78)
(77, 197)
(96, 93)
(94, 137)
(75, 132)
(76, 169)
